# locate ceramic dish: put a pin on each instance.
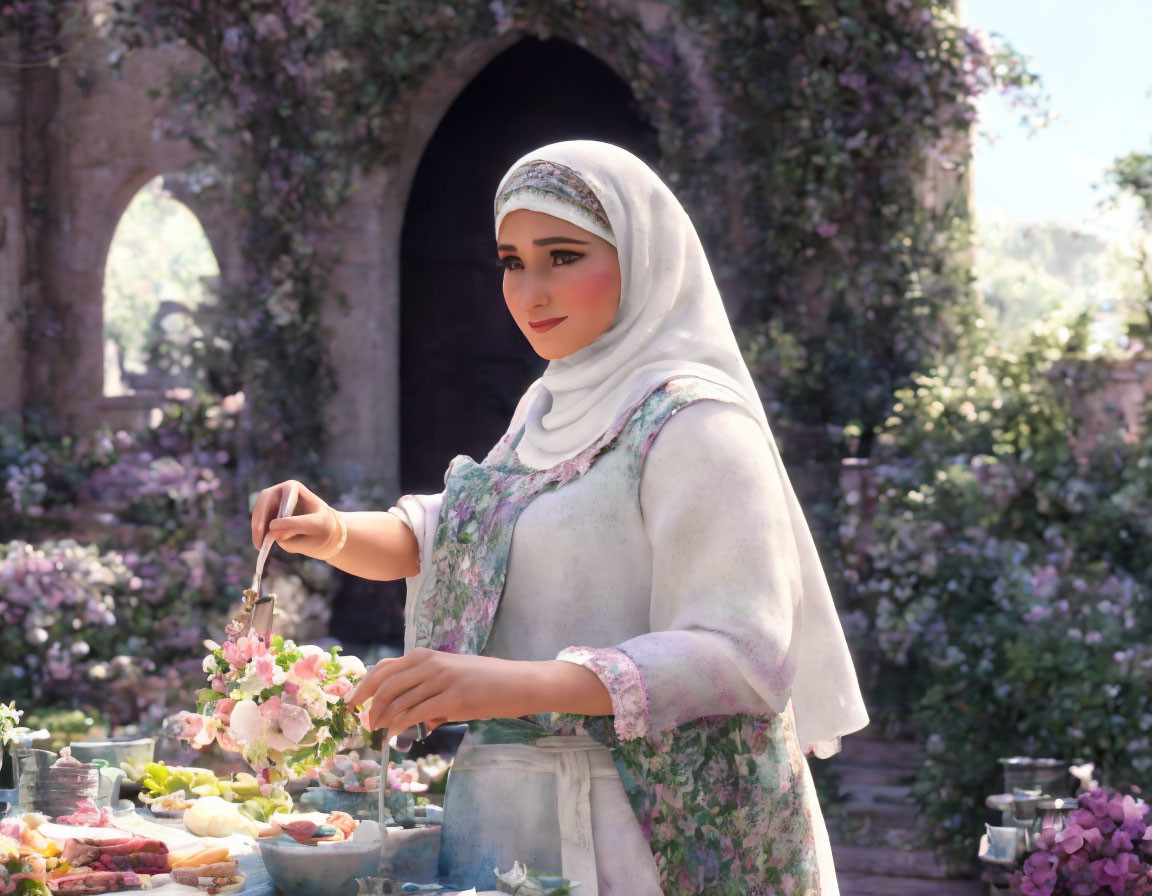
(327, 870)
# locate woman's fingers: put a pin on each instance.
(425, 711)
(312, 524)
(260, 514)
(394, 687)
(267, 508)
(391, 715)
(367, 685)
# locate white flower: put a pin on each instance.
(274, 724)
(313, 699)
(351, 666)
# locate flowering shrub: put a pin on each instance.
(279, 705)
(1002, 568)
(41, 471)
(784, 196)
(176, 477)
(120, 631)
(1106, 848)
(102, 627)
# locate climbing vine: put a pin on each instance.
(798, 134)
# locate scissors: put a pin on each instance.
(261, 609)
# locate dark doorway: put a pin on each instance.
(463, 363)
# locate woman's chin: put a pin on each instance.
(549, 352)
(554, 351)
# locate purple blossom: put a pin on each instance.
(1100, 851)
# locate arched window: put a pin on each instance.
(160, 271)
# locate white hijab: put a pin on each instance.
(672, 323)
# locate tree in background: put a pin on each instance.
(1028, 270)
(158, 254)
(1132, 176)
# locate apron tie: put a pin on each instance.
(574, 806)
(574, 760)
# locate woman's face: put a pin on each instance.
(561, 283)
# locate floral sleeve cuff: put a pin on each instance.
(622, 677)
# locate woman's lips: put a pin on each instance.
(544, 326)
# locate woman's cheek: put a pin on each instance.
(596, 286)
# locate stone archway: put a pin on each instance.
(159, 269)
(103, 144)
(452, 315)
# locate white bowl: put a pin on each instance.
(327, 870)
(140, 750)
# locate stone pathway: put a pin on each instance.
(878, 845)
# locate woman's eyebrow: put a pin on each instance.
(549, 240)
(545, 241)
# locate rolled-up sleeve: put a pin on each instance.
(421, 513)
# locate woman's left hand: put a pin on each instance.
(435, 687)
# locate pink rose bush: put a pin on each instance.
(1104, 850)
(280, 705)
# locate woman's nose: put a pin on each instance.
(533, 292)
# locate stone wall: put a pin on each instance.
(11, 237)
(76, 150)
(76, 145)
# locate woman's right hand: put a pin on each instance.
(312, 530)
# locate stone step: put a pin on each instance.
(919, 863)
(878, 815)
(878, 752)
(856, 884)
(859, 775)
(871, 836)
(869, 794)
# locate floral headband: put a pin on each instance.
(553, 189)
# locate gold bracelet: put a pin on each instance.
(339, 517)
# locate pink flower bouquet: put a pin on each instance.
(280, 705)
(1104, 850)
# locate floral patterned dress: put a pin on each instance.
(724, 801)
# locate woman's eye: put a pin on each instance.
(560, 257)
(509, 263)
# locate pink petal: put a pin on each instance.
(277, 741)
(247, 723)
(227, 742)
(295, 722)
(204, 737)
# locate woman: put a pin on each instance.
(623, 598)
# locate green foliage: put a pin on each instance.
(66, 725)
(1001, 561)
(1131, 175)
(1029, 270)
(802, 158)
(43, 472)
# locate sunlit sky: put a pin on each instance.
(1097, 68)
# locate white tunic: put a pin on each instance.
(671, 579)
